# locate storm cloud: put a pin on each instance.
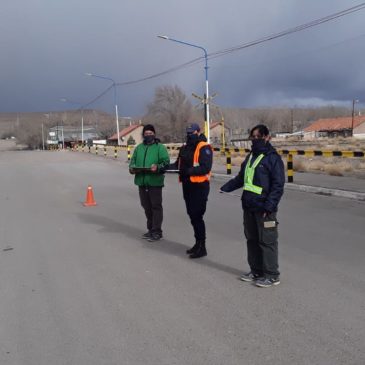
(47, 46)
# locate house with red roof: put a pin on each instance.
(216, 133)
(128, 135)
(336, 127)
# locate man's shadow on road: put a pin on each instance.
(165, 246)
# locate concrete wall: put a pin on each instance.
(359, 131)
(309, 135)
(216, 135)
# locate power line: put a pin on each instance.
(296, 29)
(176, 68)
(303, 53)
(230, 50)
(97, 97)
(173, 69)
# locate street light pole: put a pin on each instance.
(82, 126)
(353, 116)
(115, 99)
(42, 138)
(206, 95)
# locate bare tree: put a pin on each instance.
(29, 134)
(170, 110)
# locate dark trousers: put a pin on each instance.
(262, 243)
(151, 201)
(196, 197)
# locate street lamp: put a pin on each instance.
(206, 96)
(353, 116)
(115, 98)
(64, 100)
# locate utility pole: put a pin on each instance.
(353, 116)
(42, 137)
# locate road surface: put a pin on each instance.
(79, 286)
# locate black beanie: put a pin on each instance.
(148, 127)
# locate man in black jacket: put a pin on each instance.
(262, 178)
(194, 164)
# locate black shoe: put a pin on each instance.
(249, 277)
(193, 249)
(147, 235)
(200, 251)
(154, 237)
(267, 282)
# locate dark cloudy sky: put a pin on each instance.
(48, 45)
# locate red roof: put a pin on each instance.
(124, 132)
(333, 124)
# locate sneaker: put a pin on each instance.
(147, 235)
(249, 276)
(267, 282)
(154, 237)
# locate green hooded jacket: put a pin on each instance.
(146, 155)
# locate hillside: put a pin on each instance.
(10, 122)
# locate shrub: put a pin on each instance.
(131, 141)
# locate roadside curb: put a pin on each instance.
(354, 195)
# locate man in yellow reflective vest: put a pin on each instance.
(194, 164)
(262, 178)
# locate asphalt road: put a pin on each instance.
(79, 286)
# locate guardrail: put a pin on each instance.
(228, 154)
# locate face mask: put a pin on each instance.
(191, 138)
(148, 139)
(258, 144)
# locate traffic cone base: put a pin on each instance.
(90, 202)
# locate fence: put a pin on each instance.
(227, 152)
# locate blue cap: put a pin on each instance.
(192, 128)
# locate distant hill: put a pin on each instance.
(10, 122)
(238, 120)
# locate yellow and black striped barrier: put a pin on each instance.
(229, 163)
(289, 165)
(308, 153)
(324, 153)
(228, 153)
(129, 152)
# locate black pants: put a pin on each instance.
(262, 243)
(151, 201)
(196, 197)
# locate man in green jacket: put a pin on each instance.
(147, 163)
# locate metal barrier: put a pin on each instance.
(291, 153)
(228, 153)
(290, 169)
(129, 152)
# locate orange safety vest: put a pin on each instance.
(199, 178)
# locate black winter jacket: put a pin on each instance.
(269, 174)
(185, 160)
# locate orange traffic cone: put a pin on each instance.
(89, 197)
